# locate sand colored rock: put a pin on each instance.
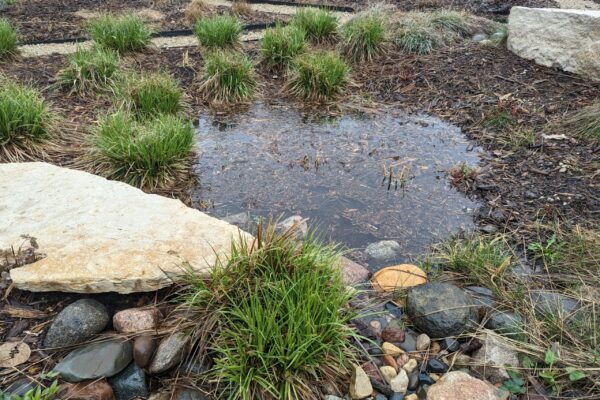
(102, 236)
(399, 276)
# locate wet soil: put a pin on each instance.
(39, 20)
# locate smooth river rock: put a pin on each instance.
(169, 353)
(96, 360)
(129, 383)
(133, 320)
(566, 39)
(459, 385)
(440, 309)
(102, 236)
(76, 323)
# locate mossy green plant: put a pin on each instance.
(280, 45)
(122, 33)
(25, 121)
(218, 32)
(228, 77)
(318, 76)
(365, 36)
(318, 24)
(8, 38)
(95, 68)
(150, 154)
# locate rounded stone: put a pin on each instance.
(383, 250)
(390, 279)
(129, 383)
(505, 323)
(440, 309)
(96, 360)
(135, 320)
(143, 350)
(77, 323)
(169, 353)
(423, 342)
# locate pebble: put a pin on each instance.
(410, 342)
(402, 359)
(96, 360)
(332, 397)
(491, 360)
(435, 377)
(399, 383)
(77, 323)
(391, 350)
(412, 397)
(352, 272)
(435, 365)
(383, 250)
(388, 373)
(505, 323)
(135, 320)
(143, 350)
(169, 353)
(413, 380)
(393, 335)
(423, 342)
(129, 383)
(435, 348)
(190, 394)
(390, 361)
(425, 379)
(360, 384)
(94, 390)
(397, 396)
(440, 309)
(462, 360)
(410, 366)
(20, 387)
(450, 345)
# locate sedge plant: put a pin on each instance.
(318, 76)
(89, 69)
(318, 24)
(8, 38)
(365, 36)
(229, 77)
(280, 45)
(124, 33)
(218, 32)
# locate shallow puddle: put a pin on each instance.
(274, 162)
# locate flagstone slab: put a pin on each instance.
(98, 235)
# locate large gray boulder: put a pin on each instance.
(102, 236)
(440, 309)
(566, 39)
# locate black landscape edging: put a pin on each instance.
(173, 33)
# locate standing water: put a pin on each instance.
(359, 179)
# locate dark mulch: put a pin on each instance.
(39, 20)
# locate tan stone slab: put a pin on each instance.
(101, 236)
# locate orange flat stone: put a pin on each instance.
(398, 276)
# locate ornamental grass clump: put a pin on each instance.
(586, 122)
(365, 36)
(8, 38)
(274, 315)
(280, 45)
(150, 154)
(150, 94)
(125, 33)
(229, 77)
(318, 76)
(318, 24)
(218, 32)
(25, 121)
(421, 32)
(89, 69)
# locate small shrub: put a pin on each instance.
(365, 36)
(420, 32)
(229, 77)
(8, 38)
(25, 120)
(124, 33)
(586, 122)
(318, 24)
(218, 32)
(281, 45)
(275, 312)
(195, 10)
(148, 154)
(153, 93)
(318, 76)
(92, 68)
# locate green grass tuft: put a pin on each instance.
(150, 94)
(365, 36)
(318, 76)
(280, 45)
(421, 32)
(8, 38)
(318, 24)
(125, 33)
(275, 312)
(94, 68)
(149, 154)
(25, 120)
(586, 122)
(229, 77)
(221, 32)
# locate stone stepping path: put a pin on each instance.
(37, 50)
